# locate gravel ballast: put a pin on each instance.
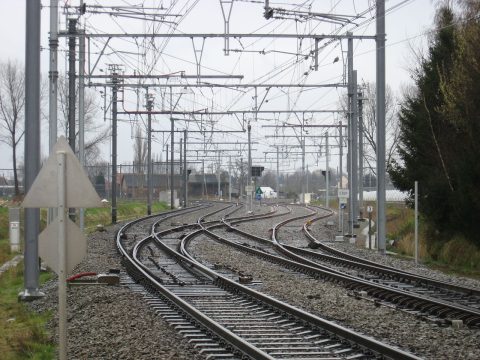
(332, 302)
(108, 322)
(111, 322)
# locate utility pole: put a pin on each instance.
(185, 178)
(351, 213)
(180, 173)
(249, 176)
(241, 185)
(166, 169)
(354, 160)
(381, 196)
(32, 148)
(114, 142)
(303, 168)
(278, 174)
(306, 179)
(340, 184)
(53, 83)
(72, 25)
(360, 153)
(327, 174)
(218, 177)
(149, 153)
(230, 179)
(81, 109)
(203, 182)
(416, 222)
(172, 139)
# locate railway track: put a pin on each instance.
(426, 298)
(223, 318)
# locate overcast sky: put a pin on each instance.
(406, 28)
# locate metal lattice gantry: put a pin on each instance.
(252, 71)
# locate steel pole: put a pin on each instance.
(349, 133)
(53, 84)
(149, 155)
(32, 147)
(72, 29)
(354, 159)
(172, 141)
(249, 176)
(62, 256)
(278, 174)
(203, 180)
(114, 148)
(230, 179)
(166, 169)
(180, 170)
(327, 175)
(340, 183)
(416, 222)
(185, 170)
(303, 169)
(380, 75)
(218, 178)
(81, 110)
(242, 185)
(360, 154)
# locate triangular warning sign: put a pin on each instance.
(75, 242)
(80, 191)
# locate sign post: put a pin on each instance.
(369, 211)
(416, 222)
(62, 256)
(343, 195)
(258, 194)
(62, 183)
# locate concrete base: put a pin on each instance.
(30, 295)
(110, 279)
(339, 238)
(457, 324)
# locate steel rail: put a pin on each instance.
(140, 270)
(371, 265)
(469, 315)
(440, 308)
(349, 335)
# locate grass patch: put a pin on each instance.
(5, 253)
(457, 256)
(3, 222)
(401, 228)
(22, 332)
(125, 210)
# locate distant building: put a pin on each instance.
(130, 185)
(7, 187)
(268, 192)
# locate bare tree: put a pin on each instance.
(139, 151)
(269, 178)
(392, 130)
(12, 103)
(95, 132)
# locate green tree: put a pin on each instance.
(439, 124)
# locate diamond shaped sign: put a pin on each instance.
(48, 245)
